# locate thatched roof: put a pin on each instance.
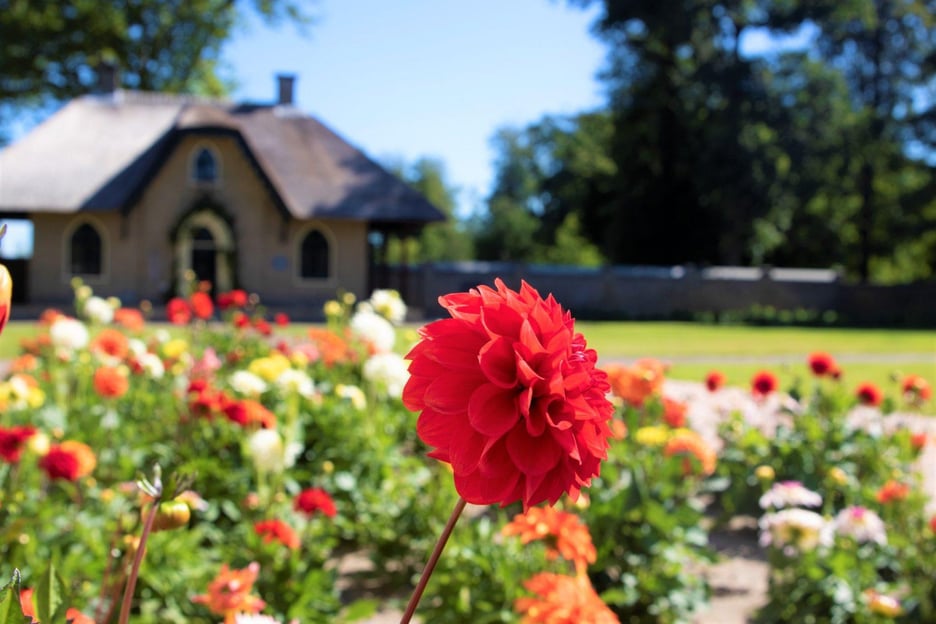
(99, 151)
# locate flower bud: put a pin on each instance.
(6, 292)
(837, 475)
(171, 514)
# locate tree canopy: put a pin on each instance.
(52, 50)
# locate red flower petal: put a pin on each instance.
(498, 362)
(492, 411)
(534, 456)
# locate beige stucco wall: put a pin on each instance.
(138, 253)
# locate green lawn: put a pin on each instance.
(877, 355)
(692, 350)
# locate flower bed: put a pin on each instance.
(217, 472)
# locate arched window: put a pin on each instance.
(313, 262)
(205, 167)
(85, 251)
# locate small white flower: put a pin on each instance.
(374, 330)
(98, 311)
(292, 380)
(353, 394)
(789, 494)
(136, 346)
(388, 371)
(267, 450)
(794, 529)
(861, 524)
(388, 304)
(248, 384)
(68, 334)
(152, 365)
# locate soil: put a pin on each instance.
(738, 579)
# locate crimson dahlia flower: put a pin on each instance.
(510, 396)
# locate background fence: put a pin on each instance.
(652, 292)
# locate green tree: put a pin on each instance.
(51, 50)
(886, 52)
(444, 241)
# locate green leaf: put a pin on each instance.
(10, 610)
(357, 610)
(50, 596)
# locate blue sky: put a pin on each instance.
(415, 78)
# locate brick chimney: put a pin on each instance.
(285, 82)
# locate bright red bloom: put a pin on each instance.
(763, 383)
(312, 500)
(561, 599)
(869, 394)
(510, 397)
(821, 363)
(248, 412)
(233, 299)
(279, 531)
(262, 326)
(281, 319)
(110, 382)
(201, 304)
(58, 463)
(932, 524)
(12, 442)
(178, 311)
(715, 380)
(892, 491)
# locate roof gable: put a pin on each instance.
(99, 152)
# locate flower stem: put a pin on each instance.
(137, 560)
(433, 559)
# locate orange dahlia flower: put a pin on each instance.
(916, 390)
(637, 382)
(229, 593)
(202, 305)
(248, 413)
(691, 444)
(111, 342)
(110, 382)
(510, 396)
(130, 318)
(561, 599)
(566, 535)
(674, 412)
(892, 491)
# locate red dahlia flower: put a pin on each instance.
(714, 380)
(277, 531)
(763, 383)
(178, 311)
(510, 397)
(13, 441)
(821, 363)
(201, 305)
(311, 500)
(869, 394)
